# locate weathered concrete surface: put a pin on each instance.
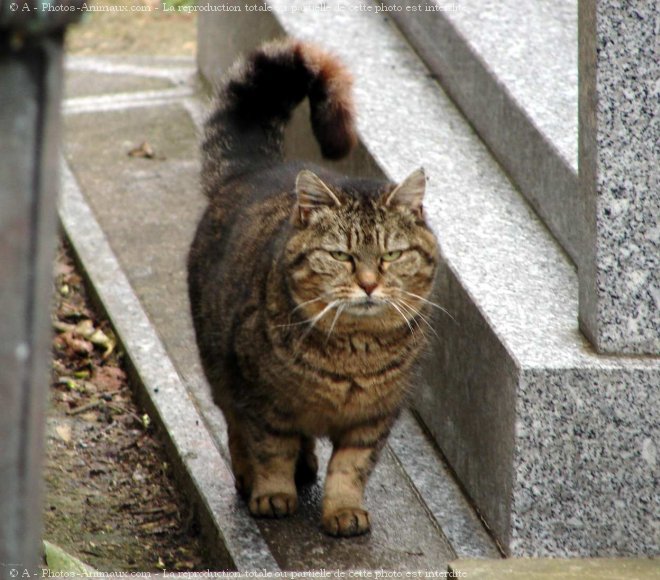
(85, 84)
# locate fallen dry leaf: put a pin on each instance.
(85, 328)
(96, 336)
(63, 326)
(64, 432)
(99, 338)
(143, 150)
(90, 417)
(68, 340)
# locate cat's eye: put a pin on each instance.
(391, 256)
(341, 256)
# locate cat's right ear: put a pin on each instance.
(409, 193)
(311, 194)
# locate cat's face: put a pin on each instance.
(367, 261)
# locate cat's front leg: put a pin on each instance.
(273, 458)
(353, 458)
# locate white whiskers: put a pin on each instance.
(417, 315)
(334, 320)
(315, 319)
(413, 316)
(429, 303)
(298, 307)
(398, 309)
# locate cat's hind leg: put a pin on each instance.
(307, 465)
(240, 461)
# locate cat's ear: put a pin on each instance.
(312, 194)
(409, 193)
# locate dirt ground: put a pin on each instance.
(148, 31)
(110, 497)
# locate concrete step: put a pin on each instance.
(556, 445)
(130, 221)
(511, 68)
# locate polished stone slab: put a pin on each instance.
(432, 477)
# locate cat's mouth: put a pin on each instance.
(366, 306)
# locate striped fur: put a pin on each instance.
(308, 289)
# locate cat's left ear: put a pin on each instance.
(312, 194)
(409, 193)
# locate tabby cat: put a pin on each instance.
(307, 288)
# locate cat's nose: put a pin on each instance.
(367, 280)
(368, 287)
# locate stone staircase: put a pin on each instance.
(512, 69)
(554, 445)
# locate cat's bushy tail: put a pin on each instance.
(246, 128)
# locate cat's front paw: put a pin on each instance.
(346, 522)
(276, 505)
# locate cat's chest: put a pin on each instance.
(331, 384)
(323, 409)
(348, 363)
(351, 379)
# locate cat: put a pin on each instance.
(307, 288)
